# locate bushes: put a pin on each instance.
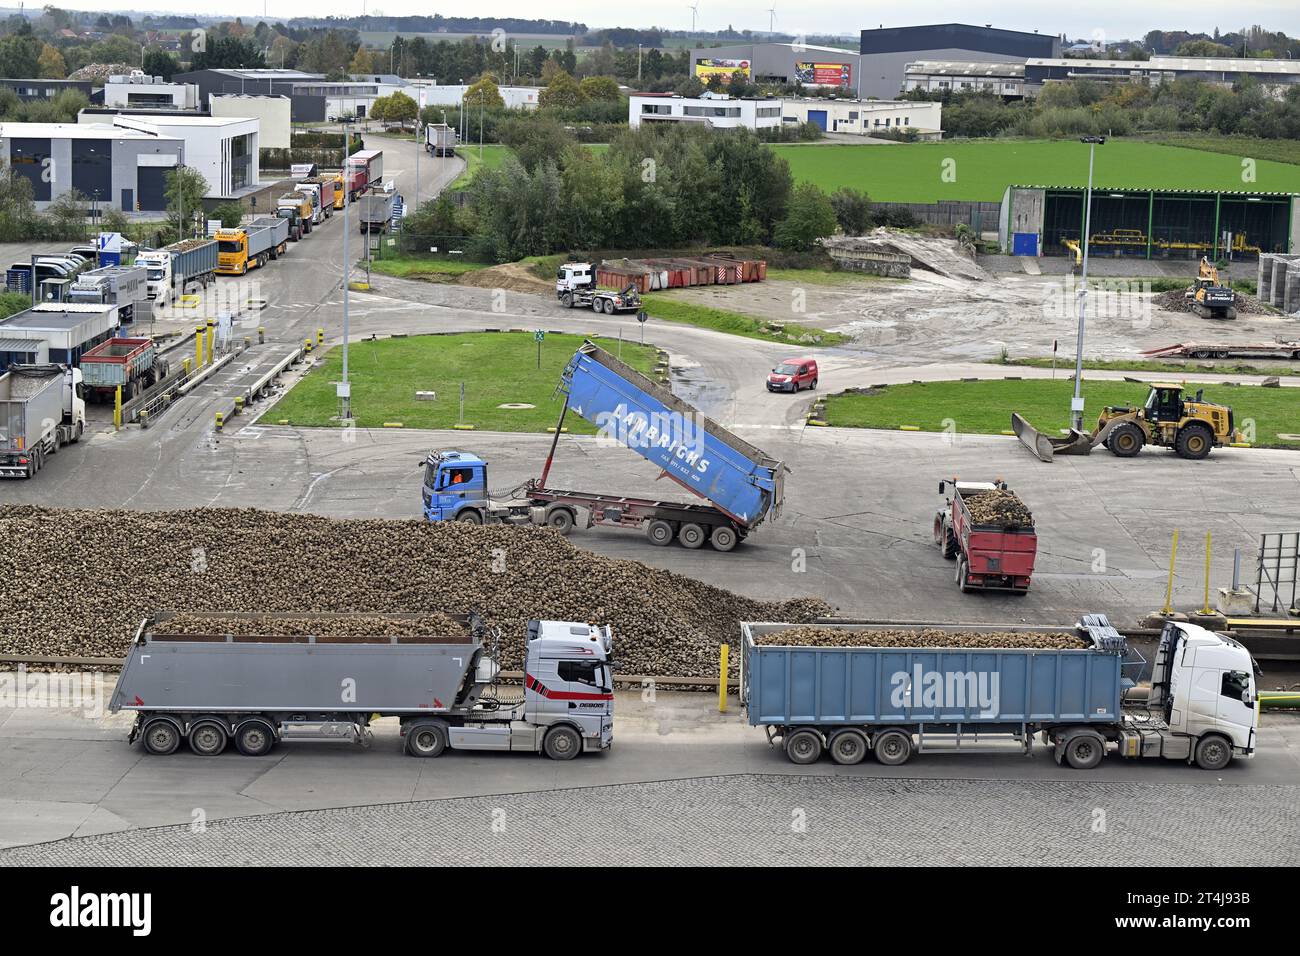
(852, 210)
(791, 133)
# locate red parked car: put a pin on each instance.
(792, 375)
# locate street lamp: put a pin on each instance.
(1076, 403)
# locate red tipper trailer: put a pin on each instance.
(993, 540)
(129, 362)
(371, 162)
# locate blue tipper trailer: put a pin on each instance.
(740, 484)
(849, 698)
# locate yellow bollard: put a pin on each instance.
(1169, 589)
(220, 420)
(261, 335)
(211, 331)
(1205, 608)
(722, 679)
(198, 347)
(306, 345)
(117, 407)
(320, 336)
(239, 404)
(186, 365)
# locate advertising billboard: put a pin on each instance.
(824, 74)
(706, 67)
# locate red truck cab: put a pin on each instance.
(990, 557)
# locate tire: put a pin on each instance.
(692, 536)
(893, 748)
(561, 519)
(1194, 442)
(1084, 752)
(1213, 752)
(426, 740)
(660, 533)
(161, 737)
(207, 738)
(1126, 440)
(254, 738)
(963, 570)
(724, 538)
(566, 300)
(77, 432)
(813, 386)
(803, 747)
(470, 516)
(848, 747)
(562, 743)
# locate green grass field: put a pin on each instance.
(423, 267)
(492, 157)
(985, 407)
(982, 170)
(1175, 368)
(496, 367)
(664, 306)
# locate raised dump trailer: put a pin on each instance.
(375, 212)
(132, 363)
(256, 679)
(990, 533)
(740, 484)
(40, 412)
(892, 690)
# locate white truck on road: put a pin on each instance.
(575, 285)
(41, 410)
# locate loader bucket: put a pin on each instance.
(1045, 448)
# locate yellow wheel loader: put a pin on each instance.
(1191, 427)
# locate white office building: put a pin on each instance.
(863, 117)
(709, 109)
(223, 148)
(140, 91)
(271, 112)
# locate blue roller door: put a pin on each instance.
(818, 117)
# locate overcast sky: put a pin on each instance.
(1117, 19)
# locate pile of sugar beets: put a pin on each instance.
(999, 508)
(78, 582)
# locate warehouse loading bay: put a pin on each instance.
(685, 783)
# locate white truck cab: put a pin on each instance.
(574, 276)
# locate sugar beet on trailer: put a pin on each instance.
(256, 688)
(739, 484)
(851, 699)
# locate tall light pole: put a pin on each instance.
(345, 387)
(1076, 404)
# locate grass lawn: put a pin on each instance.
(496, 368)
(1174, 367)
(670, 309)
(493, 156)
(423, 267)
(981, 170)
(822, 276)
(1278, 150)
(985, 407)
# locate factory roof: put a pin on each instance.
(959, 68)
(69, 131)
(1208, 64)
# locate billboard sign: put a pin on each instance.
(824, 74)
(706, 67)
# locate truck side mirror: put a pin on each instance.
(942, 485)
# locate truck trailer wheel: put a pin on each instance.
(893, 747)
(1213, 752)
(963, 572)
(426, 740)
(723, 538)
(561, 519)
(562, 743)
(692, 536)
(848, 747)
(1084, 751)
(660, 533)
(161, 736)
(254, 738)
(803, 747)
(208, 738)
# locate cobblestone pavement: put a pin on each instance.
(746, 820)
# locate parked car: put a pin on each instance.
(792, 375)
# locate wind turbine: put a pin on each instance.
(771, 18)
(694, 8)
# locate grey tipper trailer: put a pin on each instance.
(238, 684)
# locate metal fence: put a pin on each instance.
(980, 216)
(1276, 571)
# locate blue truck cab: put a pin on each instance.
(455, 486)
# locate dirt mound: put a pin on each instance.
(813, 636)
(1176, 301)
(512, 275)
(78, 583)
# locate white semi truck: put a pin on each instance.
(179, 268)
(41, 410)
(256, 679)
(575, 285)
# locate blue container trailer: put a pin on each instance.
(851, 698)
(739, 484)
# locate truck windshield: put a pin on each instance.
(430, 474)
(228, 246)
(154, 274)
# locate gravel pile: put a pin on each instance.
(1177, 301)
(433, 626)
(1002, 509)
(813, 636)
(78, 583)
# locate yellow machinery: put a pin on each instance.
(1191, 427)
(1210, 300)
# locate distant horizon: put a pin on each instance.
(1112, 22)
